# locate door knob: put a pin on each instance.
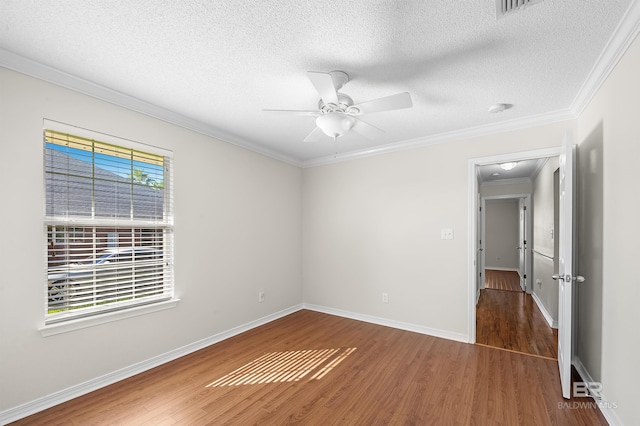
(567, 278)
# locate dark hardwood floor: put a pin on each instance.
(502, 280)
(512, 320)
(316, 369)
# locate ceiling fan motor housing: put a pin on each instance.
(337, 114)
(344, 105)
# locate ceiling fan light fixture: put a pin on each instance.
(508, 166)
(336, 115)
(335, 124)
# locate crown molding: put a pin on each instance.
(472, 132)
(623, 36)
(51, 75)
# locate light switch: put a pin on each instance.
(446, 233)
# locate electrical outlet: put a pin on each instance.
(261, 296)
(446, 234)
(385, 297)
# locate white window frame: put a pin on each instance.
(98, 313)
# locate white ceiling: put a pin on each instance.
(525, 170)
(214, 65)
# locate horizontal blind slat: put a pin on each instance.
(109, 220)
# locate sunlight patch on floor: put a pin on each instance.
(286, 366)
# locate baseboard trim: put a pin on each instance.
(459, 337)
(40, 404)
(606, 407)
(29, 408)
(547, 316)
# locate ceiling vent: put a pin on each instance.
(506, 7)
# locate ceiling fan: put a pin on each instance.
(337, 114)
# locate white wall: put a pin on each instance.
(613, 116)
(543, 209)
(590, 205)
(373, 225)
(489, 189)
(369, 225)
(502, 225)
(237, 232)
(545, 289)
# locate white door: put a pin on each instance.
(522, 243)
(565, 269)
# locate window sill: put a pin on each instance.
(80, 323)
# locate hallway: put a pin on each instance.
(511, 320)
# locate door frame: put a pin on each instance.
(527, 231)
(480, 245)
(473, 219)
(525, 258)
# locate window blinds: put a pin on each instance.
(109, 224)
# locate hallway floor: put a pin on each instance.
(511, 320)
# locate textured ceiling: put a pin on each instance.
(221, 62)
(525, 170)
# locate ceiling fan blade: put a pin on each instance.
(323, 82)
(388, 103)
(293, 111)
(367, 130)
(316, 135)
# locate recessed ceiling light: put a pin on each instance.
(496, 108)
(508, 166)
(495, 174)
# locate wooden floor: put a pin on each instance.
(512, 320)
(375, 376)
(502, 280)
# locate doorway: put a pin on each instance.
(506, 227)
(507, 317)
(524, 307)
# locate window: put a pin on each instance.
(109, 223)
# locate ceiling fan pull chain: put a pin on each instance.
(335, 141)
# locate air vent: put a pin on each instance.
(506, 7)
